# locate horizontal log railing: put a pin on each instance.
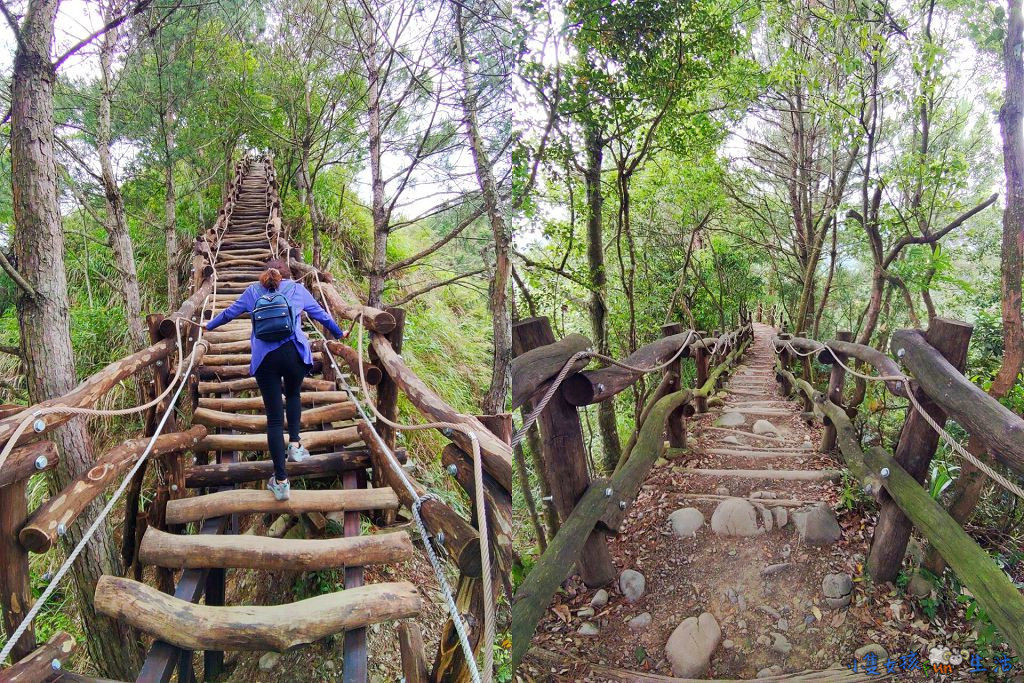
(602, 502)
(943, 390)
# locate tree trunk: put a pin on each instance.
(378, 267)
(170, 209)
(501, 320)
(970, 484)
(44, 319)
(117, 225)
(606, 420)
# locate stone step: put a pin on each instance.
(778, 475)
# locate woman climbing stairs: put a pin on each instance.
(229, 405)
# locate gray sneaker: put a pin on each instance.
(297, 453)
(280, 491)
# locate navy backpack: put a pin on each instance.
(272, 317)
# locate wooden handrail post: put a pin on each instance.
(15, 589)
(914, 452)
(387, 404)
(784, 360)
(836, 380)
(565, 457)
(675, 426)
(700, 359)
(805, 374)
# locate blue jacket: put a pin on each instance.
(300, 299)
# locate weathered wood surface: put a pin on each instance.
(308, 398)
(410, 647)
(496, 454)
(461, 540)
(169, 326)
(973, 565)
(324, 464)
(980, 414)
(258, 442)
(15, 581)
(373, 319)
(883, 365)
(595, 386)
(245, 501)
(914, 452)
(533, 368)
(311, 417)
(86, 394)
(37, 666)
(198, 627)
(564, 455)
(43, 527)
(249, 384)
(24, 461)
(261, 552)
(371, 373)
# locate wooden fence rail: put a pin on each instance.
(589, 510)
(935, 359)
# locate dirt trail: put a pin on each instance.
(764, 590)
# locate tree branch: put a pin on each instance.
(435, 285)
(936, 236)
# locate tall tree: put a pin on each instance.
(43, 317)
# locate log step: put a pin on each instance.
(245, 551)
(753, 454)
(309, 398)
(258, 423)
(258, 442)
(780, 475)
(249, 384)
(242, 501)
(322, 465)
(254, 628)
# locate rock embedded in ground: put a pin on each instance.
(588, 629)
(873, 648)
(585, 613)
(730, 418)
(632, 584)
(640, 622)
(686, 522)
(269, 660)
(722, 491)
(838, 590)
(762, 427)
(691, 645)
(781, 516)
(735, 517)
(919, 586)
(731, 439)
(817, 525)
(780, 644)
(600, 599)
(770, 611)
(770, 671)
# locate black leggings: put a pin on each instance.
(283, 363)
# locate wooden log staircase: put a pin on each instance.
(190, 534)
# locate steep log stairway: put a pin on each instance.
(229, 406)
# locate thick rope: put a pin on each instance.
(485, 556)
(939, 429)
(520, 433)
(181, 381)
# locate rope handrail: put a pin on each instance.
(478, 485)
(181, 379)
(910, 388)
